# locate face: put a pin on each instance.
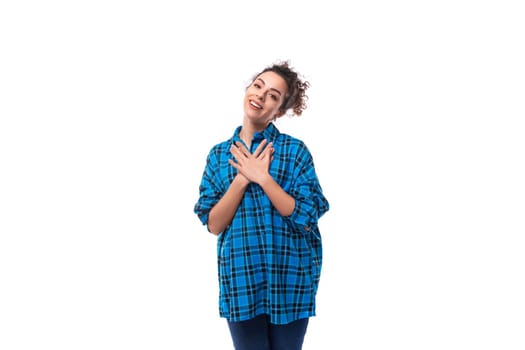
(263, 98)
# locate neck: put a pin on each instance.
(247, 131)
(246, 136)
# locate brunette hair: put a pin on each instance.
(296, 97)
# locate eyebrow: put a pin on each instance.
(274, 89)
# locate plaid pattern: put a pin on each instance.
(267, 263)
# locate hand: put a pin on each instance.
(253, 166)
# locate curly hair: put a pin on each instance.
(295, 99)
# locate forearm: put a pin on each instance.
(282, 201)
(222, 213)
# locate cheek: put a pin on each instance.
(279, 104)
(246, 98)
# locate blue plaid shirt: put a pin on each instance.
(267, 263)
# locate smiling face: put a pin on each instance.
(263, 98)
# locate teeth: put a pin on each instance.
(255, 105)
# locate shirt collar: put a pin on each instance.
(271, 133)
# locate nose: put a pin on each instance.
(261, 95)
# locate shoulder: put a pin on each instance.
(220, 149)
(292, 143)
(287, 138)
(221, 145)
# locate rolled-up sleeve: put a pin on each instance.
(210, 191)
(310, 202)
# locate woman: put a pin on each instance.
(261, 196)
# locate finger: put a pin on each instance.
(233, 164)
(239, 148)
(237, 154)
(268, 151)
(244, 151)
(234, 150)
(260, 148)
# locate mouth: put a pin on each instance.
(255, 105)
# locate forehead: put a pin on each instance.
(273, 80)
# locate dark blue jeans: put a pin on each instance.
(259, 334)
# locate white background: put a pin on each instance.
(108, 109)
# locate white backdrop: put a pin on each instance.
(108, 109)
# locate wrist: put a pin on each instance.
(265, 180)
(241, 180)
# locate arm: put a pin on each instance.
(217, 203)
(310, 202)
(222, 213)
(282, 201)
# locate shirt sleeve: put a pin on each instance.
(210, 191)
(310, 202)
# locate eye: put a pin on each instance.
(257, 85)
(273, 97)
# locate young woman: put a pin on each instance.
(261, 196)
